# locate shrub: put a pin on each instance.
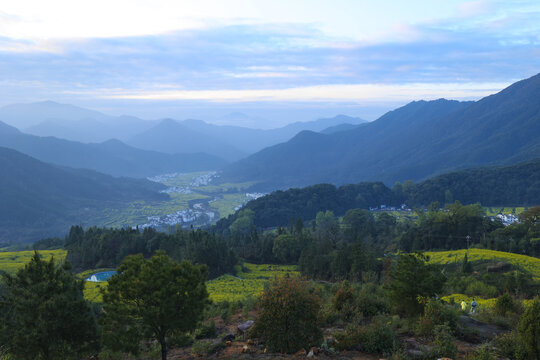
(344, 295)
(436, 313)
(370, 301)
(479, 288)
(444, 342)
(289, 315)
(529, 329)
(374, 338)
(207, 330)
(181, 340)
(506, 344)
(504, 304)
(485, 352)
(202, 348)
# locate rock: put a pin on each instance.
(228, 337)
(301, 352)
(245, 349)
(486, 331)
(245, 326)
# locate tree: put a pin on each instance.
(44, 314)
(286, 249)
(412, 279)
(531, 216)
(289, 316)
(529, 329)
(152, 298)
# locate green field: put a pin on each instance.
(527, 263)
(248, 283)
(12, 261)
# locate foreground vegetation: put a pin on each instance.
(361, 278)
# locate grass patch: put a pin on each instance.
(527, 263)
(12, 261)
(249, 282)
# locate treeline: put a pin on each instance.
(279, 207)
(492, 186)
(506, 186)
(328, 247)
(100, 247)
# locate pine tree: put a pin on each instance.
(152, 299)
(44, 314)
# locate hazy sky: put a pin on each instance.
(281, 60)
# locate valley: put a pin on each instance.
(193, 199)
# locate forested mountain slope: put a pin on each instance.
(41, 200)
(417, 141)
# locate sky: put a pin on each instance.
(276, 61)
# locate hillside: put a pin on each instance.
(491, 186)
(366, 153)
(40, 200)
(527, 263)
(506, 185)
(111, 157)
(417, 141)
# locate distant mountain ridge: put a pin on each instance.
(111, 157)
(416, 141)
(172, 137)
(74, 123)
(40, 200)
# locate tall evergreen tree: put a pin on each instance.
(44, 314)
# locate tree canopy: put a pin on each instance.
(43, 312)
(152, 299)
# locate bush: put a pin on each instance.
(444, 342)
(289, 316)
(180, 340)
(344, 295)
(206, 331)
(436, 313)
(529, 330)
(506, 344)
(370, 301)
(202, 348)
(479, 288)
(374, 338)
(485, 352)
(504, 304)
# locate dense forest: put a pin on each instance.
(490, 186)
(328, 247)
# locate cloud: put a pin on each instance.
(253, 61)
(360, 93)
(474, 8)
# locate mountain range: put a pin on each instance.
(40, 200)
(111, 157)
(416, 141)
(74, 123)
